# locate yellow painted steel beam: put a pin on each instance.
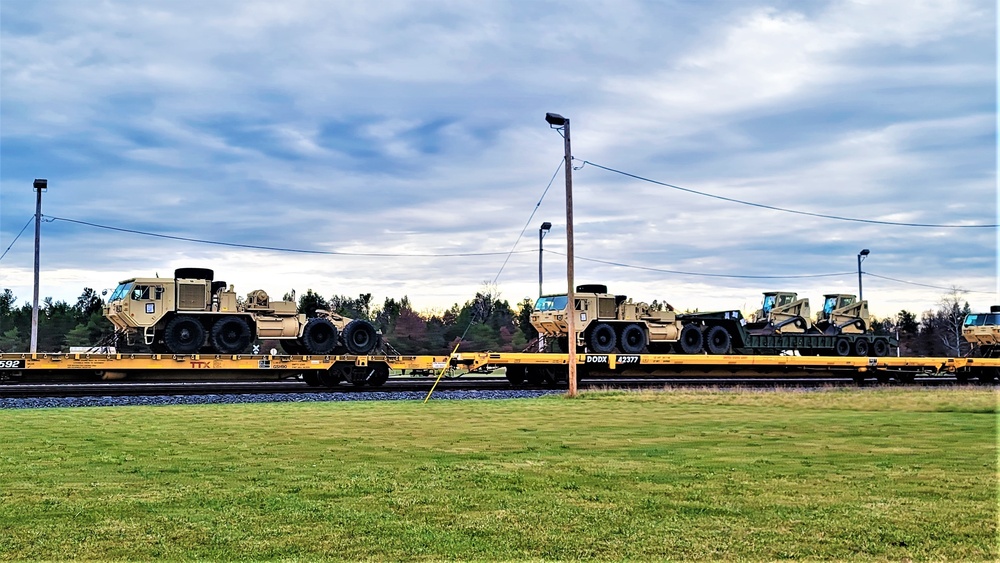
(471, 361)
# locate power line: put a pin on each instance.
(706, 275)
(281, 249)
(795, 211)
(530, 217)
(925, 285)
(17, 237)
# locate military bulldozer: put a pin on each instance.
(192, 313)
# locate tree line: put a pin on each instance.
(483, 323)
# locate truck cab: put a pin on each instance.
(982, 330)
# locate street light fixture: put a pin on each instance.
(561, 124)
(542, 231)
(861, 257)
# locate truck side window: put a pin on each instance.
(159, 292)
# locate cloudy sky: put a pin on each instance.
(400, 148)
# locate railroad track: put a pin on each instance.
(402, 385)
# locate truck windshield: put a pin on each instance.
(982, 319)
(768, 303)
(829, 305)
(551, 303)
(121, 291)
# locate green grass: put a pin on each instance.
(856, 475)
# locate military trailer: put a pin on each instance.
(192, 313)
(607, 323)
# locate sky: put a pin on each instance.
(400, 148)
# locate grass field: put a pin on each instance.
(848, 475)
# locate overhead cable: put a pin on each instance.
(795, 211)
(702, 274)
(17, 237)
(280, 249)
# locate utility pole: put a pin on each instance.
(561, 124)
(40, 186)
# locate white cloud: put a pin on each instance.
(409, 128)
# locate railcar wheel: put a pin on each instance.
(633, 339)
(691, 340)
(842, 347)
(516, 375)
(601, 339)
(319, 336)
(880, 347)
(379, 375)
(717, 340)
(360, 337)
(184, 335)
(861, 347)
(231, 335)
(311, 379)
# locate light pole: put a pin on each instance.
(40, 186)
(542, 231)
(561, 124)
(861, 258)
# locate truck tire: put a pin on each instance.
(842, 347)
(319, 336)
(717, 340)
(184, 335)
(691, 340)
(880, 347)
(601, 339)
(861, 347)
(230, 335)
(633, 339)
(360, 337)
(194, 273)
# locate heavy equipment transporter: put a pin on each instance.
(607, 323)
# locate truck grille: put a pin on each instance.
(191, 296)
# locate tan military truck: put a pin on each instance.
(607, 323)
(192, 313)
(982, 330)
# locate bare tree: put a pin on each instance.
(949, 319)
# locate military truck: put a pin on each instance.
(607, 323)
(982, 330)
(192, 313)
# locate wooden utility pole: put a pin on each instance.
(561, 124)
